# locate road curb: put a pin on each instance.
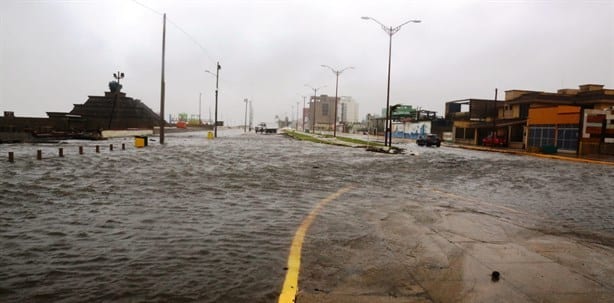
(521, 153)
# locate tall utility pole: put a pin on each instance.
(200, 120)
(390, 31)
(337, 73)
(217, 79)
(315, 93)
(245, 121)
(251, 115)
(297, 103)
(304, 97)
(119, 75)
(162, 84)
(494, 121)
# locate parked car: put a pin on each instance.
(494, 140)
(429, 140)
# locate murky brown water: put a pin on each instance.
(211, 221)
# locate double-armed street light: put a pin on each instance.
(337, 73)
(315, 93)
(390, 31)
(303, 113)
(217, 78)
(118, 76)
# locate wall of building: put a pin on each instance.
(411, 130)
(463, 133)
(509, 112)
(554, 115)
(323, 107)
(553, 126)
(597, 132)
(515, 93)
(348, 110)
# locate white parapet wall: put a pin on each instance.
(126, 133)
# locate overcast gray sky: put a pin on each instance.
(55, 53)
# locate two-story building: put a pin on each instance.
(570, 120)
(472, 119)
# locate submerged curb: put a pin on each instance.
(522, 153)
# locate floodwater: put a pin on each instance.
(212, 221)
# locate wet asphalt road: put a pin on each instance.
(211, 221)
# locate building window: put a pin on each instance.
(542, 135)
(460, 133)
(470, 133)
(516, 133)
(567, 136)
(324, 109)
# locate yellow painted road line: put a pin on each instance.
(290, 288)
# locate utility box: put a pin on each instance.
(140, 141)
(549, 149)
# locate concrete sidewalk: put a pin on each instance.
(594, 159)
(438, 254)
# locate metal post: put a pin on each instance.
(117, 76)
(80, 150)
(39, 155)
(580, 133)
(335, 119)
(162, 83)
(337, 73)
(11, 157)
(61, 152)
(390, 31)
(245, 121)
(113, 108)
(304, 97)
(494, 122)
(217, 78)
(313, 123)
(388, 130)
(315, 92)
(297, 103)
(123, 146)
(97, 148)
(111, 147)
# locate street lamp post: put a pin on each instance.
(200, 120)
(315, 93)
(297, 103)
(162, 81)
(118, 76)
(217, 78)
(245, 121)
(337, 73)
(390, 31)
(304, 97)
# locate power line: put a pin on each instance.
(202, 48)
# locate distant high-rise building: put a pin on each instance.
(321, 108)
(324, 108)
(348, 110)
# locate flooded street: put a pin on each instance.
(212, 220)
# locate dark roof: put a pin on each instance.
(579, 99)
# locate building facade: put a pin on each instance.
(570, 120)
(321, 113)
(348, 110)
